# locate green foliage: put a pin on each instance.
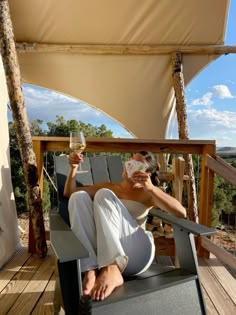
(36, 129)
(233, 163)
(46, 202)
(60, 128)
(223, 192)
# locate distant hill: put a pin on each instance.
(226, 150)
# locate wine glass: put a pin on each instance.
(77, 144)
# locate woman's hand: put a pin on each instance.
(75, 159)
(143, 179)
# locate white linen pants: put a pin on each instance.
(108, 231)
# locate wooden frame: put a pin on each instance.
(123, 49)
(203, 147)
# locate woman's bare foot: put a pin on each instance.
(89, 281)
(108, 279)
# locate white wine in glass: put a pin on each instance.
(77, 144)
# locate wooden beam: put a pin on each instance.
(222, 168)
(219, 252)
(178, 164)
(121, 145)
(127, 145)
(123, 49)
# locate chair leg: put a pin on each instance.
(57, 299)
(186, 252)
(85, 305)
(68, 273)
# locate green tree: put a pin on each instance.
(18, 181)
(46, 196)
(62, 128)
(35, 128)
(233, 163)
(59, 128)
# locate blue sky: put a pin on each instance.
(211, 96)
(211, 100)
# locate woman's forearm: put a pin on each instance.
(167, 202)
(70, 184)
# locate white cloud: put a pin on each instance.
(45, 105)
(210, 124)
(222, 91)
(230, 81)
(217, 91)
(204, 100)
(203, 124)
(36, 95)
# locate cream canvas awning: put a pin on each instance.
(134, 89)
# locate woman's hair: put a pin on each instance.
(153, 167)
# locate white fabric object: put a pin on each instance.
(9, 237)
(134, 90)
(108, 231)
(137, 210)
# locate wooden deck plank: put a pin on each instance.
(210, 307)
(13, 267)
(27, 286)
(17, 284)
(225, 279)
(32, 292)
(218, 295)
(45, 304)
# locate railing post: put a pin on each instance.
(38, 150)
(206, 194)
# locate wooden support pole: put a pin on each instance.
(178, 165)
(178, 82)
(206, 194)
(37, 240)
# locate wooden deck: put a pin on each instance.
(27, 286)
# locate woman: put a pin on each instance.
(109, 219)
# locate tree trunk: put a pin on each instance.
(12, 72)
(178, 82)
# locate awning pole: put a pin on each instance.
(37, 239)
(178, 83)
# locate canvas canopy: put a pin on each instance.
(135, 90)
(115, 68)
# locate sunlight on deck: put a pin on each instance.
(27, 285)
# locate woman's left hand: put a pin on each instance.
(143, 179)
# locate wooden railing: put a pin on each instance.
(225, 170)
(204, 148)
(210, 164)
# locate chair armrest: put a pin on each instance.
(66, 245)
(187, 225)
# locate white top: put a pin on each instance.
(138, 210)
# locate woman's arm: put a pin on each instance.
(70, 184)
(158, 197)
(166, 202)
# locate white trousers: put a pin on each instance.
(108, 231)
